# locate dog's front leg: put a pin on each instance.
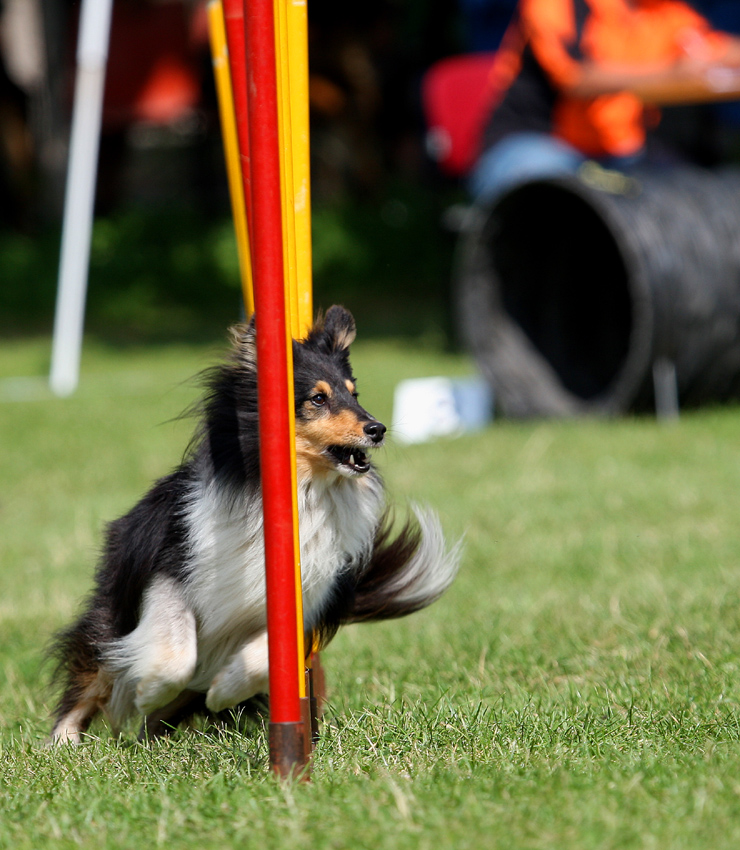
(245, 675)
(157, 659)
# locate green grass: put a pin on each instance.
(579, 685)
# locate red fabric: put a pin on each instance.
(457, 97)
(152, 72)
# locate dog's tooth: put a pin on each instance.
(352, 458)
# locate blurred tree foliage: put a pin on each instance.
(172, 274)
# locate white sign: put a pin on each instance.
(425, 408)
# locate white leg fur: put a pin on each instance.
(245, 675)
(67, 730)
(70, 727)
(159, 656)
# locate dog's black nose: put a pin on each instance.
(375, 430)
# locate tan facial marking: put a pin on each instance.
(323, 387)
(312, 437)
(350, 386)
(341, 429)
(308, 458)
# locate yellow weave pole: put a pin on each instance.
(292, 50)
(297, 21)
(286, 162)
(222, 76)
(291, 35)
(297, 52)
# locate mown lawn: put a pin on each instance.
(579, 686)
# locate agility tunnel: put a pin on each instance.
(603, 294)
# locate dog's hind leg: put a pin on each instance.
(84, 698)
(87, 685)
(245, 675)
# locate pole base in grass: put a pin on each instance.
(288, 757)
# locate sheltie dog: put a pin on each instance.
(176, 623)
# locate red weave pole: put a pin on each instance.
(272, 363)
(235, 41)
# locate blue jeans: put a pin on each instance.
(528, 156)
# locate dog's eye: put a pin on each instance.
(318, 400)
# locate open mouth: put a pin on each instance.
(350, 458)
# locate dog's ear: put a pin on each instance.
(334, 333)
(339, 328)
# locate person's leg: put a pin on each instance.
(518, 158)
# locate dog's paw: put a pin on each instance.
(229, 688)
(245, 675)
(152, 693)
(63, 735)
(219, 695)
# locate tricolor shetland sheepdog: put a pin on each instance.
(176, 622)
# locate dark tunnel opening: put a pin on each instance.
(563, 280)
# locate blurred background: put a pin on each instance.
(163, 264)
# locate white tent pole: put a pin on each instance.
(79, 201)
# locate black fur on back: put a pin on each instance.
(148, 540)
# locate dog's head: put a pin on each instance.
(333, 432)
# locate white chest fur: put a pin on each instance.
(337, 521)
(226, 585)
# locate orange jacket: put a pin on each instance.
(543, 50)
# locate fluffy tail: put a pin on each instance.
(407, 571)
